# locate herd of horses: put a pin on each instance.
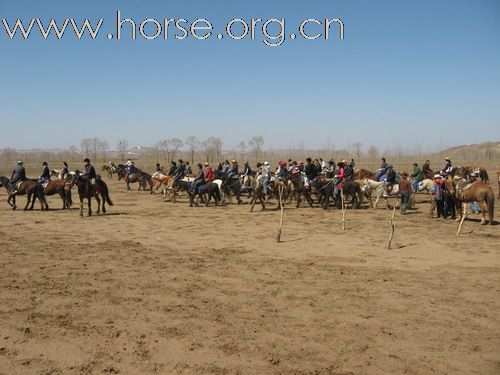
(325, 191)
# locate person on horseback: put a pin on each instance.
(189, 171)
(233, 172)
(89, 173)
(181, 170)
(130, 169)
(173, 168)
(416, 177)
(45, 176)
(426, 168)
(64, 171)
(448, 168)
(282, 171)
(382, 170)
(390, 180)
(18, 175)
(266, 177)
(247, 171)
(225, 168)
(348, 171)
(209, 172)
(310, 170)
(330, 169)
(158, 168)
(339, 178)
(198, 180)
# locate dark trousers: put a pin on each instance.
(405, 197)
(438, 206)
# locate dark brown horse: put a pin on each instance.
(62, 188)
(299, 188)
(364, 173)
(466, 192)
(142, 178)
(86, 190)
(30, 188)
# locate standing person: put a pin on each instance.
(437, 196)
(45, 176)
(18, 175)
(89, 173)
(416, 176)
(209, 172)
(405, 191)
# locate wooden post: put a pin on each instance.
(343, 208)
(280, 190)
(391, 222)
(464, 215)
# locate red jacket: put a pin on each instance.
(209, 174)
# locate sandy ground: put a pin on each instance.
(163, 288)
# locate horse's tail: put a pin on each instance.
(41, 196)
(360, 195)
(490, 200)
(69, 200)
(105, 193)
(483, 174)
(217, 193)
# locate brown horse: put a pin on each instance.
(166, 183)
(363, 173)
(99, 191)
(299, 188)
(62, 188)
(109, 170)
(478, 191)
(30, 188)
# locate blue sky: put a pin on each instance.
(419, 72)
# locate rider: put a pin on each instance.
(158, 168)
(89, 173)
(225, 168)
(181, 170)
(339, 177)
(45, 176)
(247, 172)
(448, 168)
(348, 171)
(382, 170)
(233, 172)
(64, 171)
(18, 175)
(330, 169)
(426, 168)
(189, 171)
(129, 169)
(310, 170)
(209, 172)
(416, 176)
(199, 179)
(390, 180)
(282, 171)
(173, 168)
(266, 177)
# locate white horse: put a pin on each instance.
(425, 185)
(378, 188)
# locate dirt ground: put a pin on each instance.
(157, 287)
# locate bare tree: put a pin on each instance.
(357, 150)
(103, 149)
(373, 154)
(193, 145)
(241, 148)
(122, 147)
(175, 145)
(85, 146)
(256, 144)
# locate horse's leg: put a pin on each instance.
(482, 208)
(99, 203)
(128, 186)
(90, 205)
(28, 201)
(81, 206)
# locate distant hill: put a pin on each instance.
(482, 151)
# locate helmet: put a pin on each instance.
(437, 176)
(266, 163)
(20, 162)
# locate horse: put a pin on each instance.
(467, 170)
(232, 187)
(300, 188)
(425, 185)
(138, 176)
(32, 189)
(110, 169)
(378, 187)
(166, 183)
(99, 191)
(211, 189)
(466, 192)
(62, 188)
(364, 173)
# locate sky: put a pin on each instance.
(408, 73)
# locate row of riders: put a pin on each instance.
(87, 182)
(290, 180)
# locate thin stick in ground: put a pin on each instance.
(343, 209)
(391, 222)
(464, 215)
(280, 190)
